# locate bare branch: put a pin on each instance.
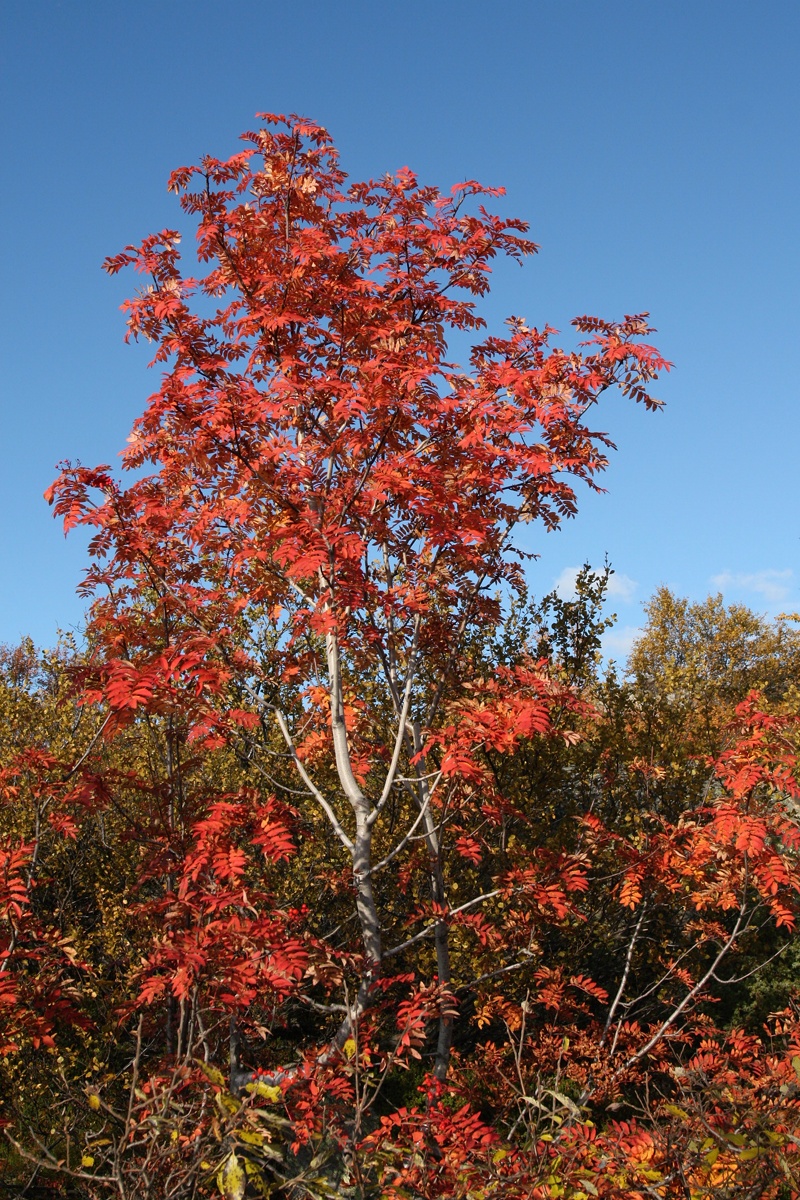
(307, 780)
(626, 971)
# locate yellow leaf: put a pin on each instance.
(211, 1073)
(231, 1179)
(254, 1173)
(349, 1047)
(94, 1101)
(87, 1161)
(266, 1090)
(250, 1139)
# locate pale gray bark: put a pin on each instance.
(444, 1040)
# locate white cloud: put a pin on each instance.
(773, 585)
(620, 587)
(565, 584)
(617, 643)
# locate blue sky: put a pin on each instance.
(653, 148)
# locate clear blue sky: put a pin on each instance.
(652, 146)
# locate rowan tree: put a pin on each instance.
(333, 499)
